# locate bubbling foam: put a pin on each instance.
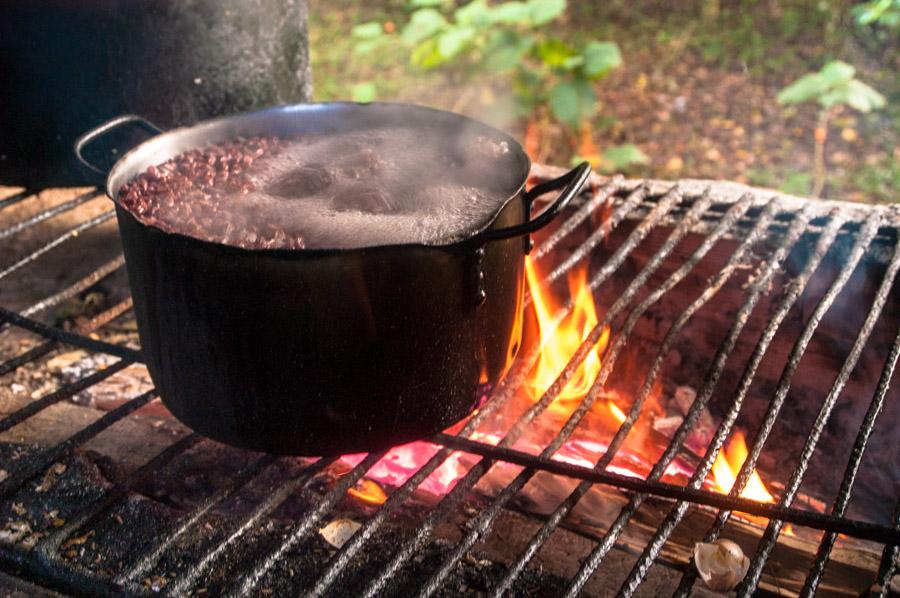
(362, 188)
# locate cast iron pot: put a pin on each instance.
(327, 351)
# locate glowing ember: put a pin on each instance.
(368, 491)
(558, 344)
(559, 341)
(728, 464)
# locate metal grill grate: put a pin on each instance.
(716, 211)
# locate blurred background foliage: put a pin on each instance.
(747, 90)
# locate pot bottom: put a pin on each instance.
(293, 436)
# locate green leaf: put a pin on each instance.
(572, 101)
(423, 23)
(476, 12)
(855, 94)
(367, 46)
(505, 50)
(554, 52)
(452, 41)
(511, 13)
(426, 55)
(544, 11)
(369, 30)
(364, 92)
(600, 58)
(805, 88)
(620, 157)
(425, 3)
(837, 72)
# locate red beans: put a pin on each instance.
(198, 193)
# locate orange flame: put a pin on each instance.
(728, 464)
(559, 343)
(368, 491)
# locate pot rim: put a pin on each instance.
(120, 174)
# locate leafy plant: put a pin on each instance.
(881, 12)
(833, 87)
(551, 78)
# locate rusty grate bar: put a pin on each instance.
(672, 206)
(484, 520)
(770, 417)
(888, 566)
(15, 198)
(738, 257)
(152, 556)
(70, 234)
(66, 392)
(94, 323)
(759, 283)
(50, 544)
(69, 338)
(855, 527)
(795, 289)
(46, 458)
(770, 536)
(83, 284)
(462, 486)
(856, 454)
(49, 213)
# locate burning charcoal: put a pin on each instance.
(684, 397)
(301, 182)
(667, 425)
(722, 564)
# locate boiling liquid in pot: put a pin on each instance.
(361, 188)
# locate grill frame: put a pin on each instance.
(745, 214)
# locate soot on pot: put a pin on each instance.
(360, 188)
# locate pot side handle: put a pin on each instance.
(99, 131)
(571, 182)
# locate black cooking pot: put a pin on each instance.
(327, 351)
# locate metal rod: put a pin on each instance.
(770, 536)
(277, 495)
(61, 394)
(69, 338)
(148, 560)
(760, 282)
(484, 520)
(508, 388)
(49, 213)
(16, 198)
(602, 195)
(463, 485)
(301, 530)
(38, 351)
(558, 515)
(46, 458)
(771, 416)
(856, 454)
(70, 234)
(852, 527)
(794, 289)
(51, 543)
(888, 567)
(82, 285)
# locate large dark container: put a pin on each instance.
(330, 351)
(66, 65)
